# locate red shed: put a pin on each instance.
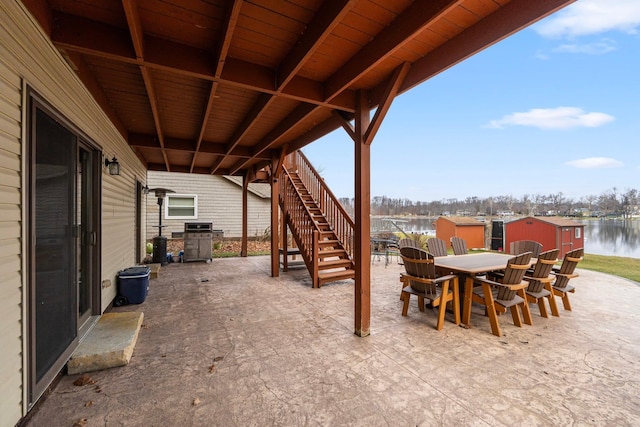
(470, 229)
(552, 232)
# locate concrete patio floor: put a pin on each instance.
(224, 344)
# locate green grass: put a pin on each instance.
(629, 268)
(236, 254)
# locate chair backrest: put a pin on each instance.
(408, 242)
(569, 264)
(513, 275)
(437, 246)
(418, 263)
(542, 269)
(459, 245)
(522, 246)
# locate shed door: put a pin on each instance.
(566, 240)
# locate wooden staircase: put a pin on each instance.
(320, 227)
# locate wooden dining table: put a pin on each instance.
(469, 266)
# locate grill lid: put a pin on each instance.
(198, 226)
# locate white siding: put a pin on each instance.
(219, 201)
(26, 55)
(11, 390)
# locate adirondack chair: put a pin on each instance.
(436, 246)
(564, 274)
(408, 242)
(540, 279)
(421, 280)
(459, 245)
(508, 293)
(522, 246)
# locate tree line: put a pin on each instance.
(610, 203)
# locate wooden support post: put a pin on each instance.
(362, 219)
(275, 190)
(283, 232)
(362, 134)
(245, 220)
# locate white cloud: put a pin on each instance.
(553, 118)
(595, 163)
(600, 48)
(587, 17)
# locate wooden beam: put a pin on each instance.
(245, 214)
(325, 20)
(138, 140)
(89, 81)
(275, 194)
(258, 108)
(509, 19)
(345, 122)
(403, 29)
(316, 132)
(363, 222)
(137, 35)
(392, 89)
(104, 41)
(278, 132)
(227, 34)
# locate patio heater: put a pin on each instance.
(160, 242)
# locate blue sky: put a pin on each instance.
(554, 108)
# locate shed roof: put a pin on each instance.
(462, 220)
(221, 87)
(555, 220)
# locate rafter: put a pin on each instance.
(302, 112)
(411, 22)
(230, 24)
(509, 19)
(390, 94)
(151, 142)
(135, 28)
(258, 108)
(326, 19)
(92, 38)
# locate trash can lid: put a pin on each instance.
(140, 270)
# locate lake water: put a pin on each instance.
(614, 237)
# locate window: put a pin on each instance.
(181, 206)
(577, 232)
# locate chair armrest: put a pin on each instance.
(445, 278)
(547, 279)
(406, 277)
(514, 287)
(568, 276)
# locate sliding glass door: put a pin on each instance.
(63, 219)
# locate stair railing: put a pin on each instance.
(335, 214)
(301, 224)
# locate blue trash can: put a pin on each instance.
(133, 285)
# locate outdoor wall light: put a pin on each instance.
(113, 165)
(145, 189)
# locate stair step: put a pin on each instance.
(328, 243)
(335, 263)
(334, 276)
(326, 253)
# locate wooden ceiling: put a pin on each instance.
(222, 86)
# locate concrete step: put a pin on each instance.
(109, 344)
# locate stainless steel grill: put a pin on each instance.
(198, 240)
